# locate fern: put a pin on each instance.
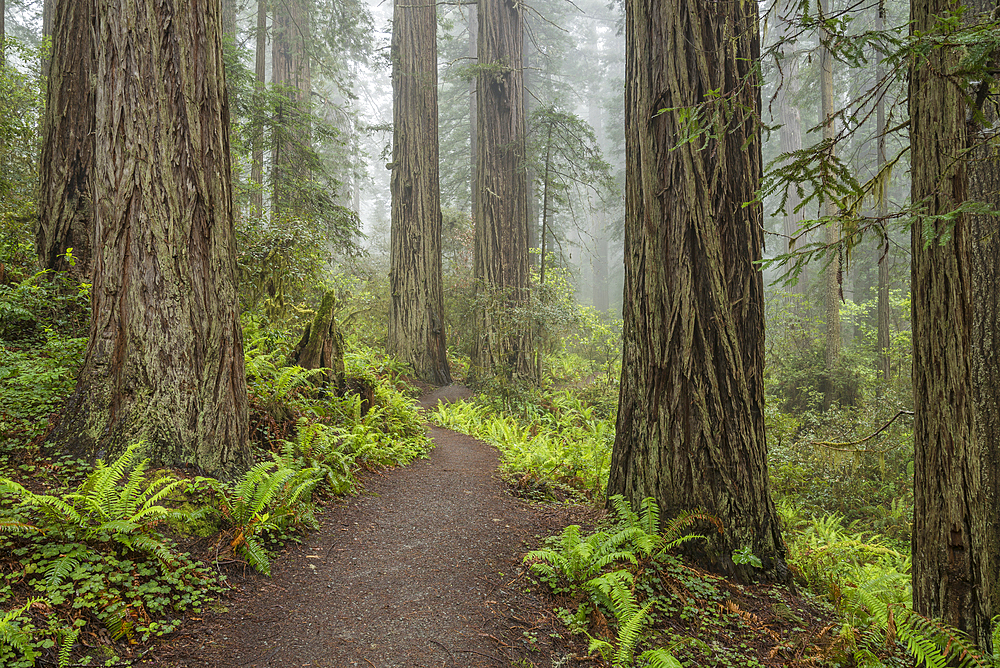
(932, 643)
(13, 526)
(12, 635)
(67, 641)
(579, 559)
(102, 495)
(60, 569)
(616, 589)
(269, 496)
(117, 618)
(53, 507)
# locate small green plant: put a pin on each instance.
(580, 558)
(745, 555)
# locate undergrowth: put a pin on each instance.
(118, 554)
(557, 448)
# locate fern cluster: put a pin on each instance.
(574, 562)
(565, 443)
(270, 497)
(100, 547)
(618, 588)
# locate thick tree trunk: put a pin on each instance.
(65, 207)
(416, 307)
(690, 428)
(790, 134)
(984, 185)
(983, 182)
(952, 507)
(598, 214)
(164, 363)
(536, 219)
(257, 142)
(883, 341)
(503, 342)
(48, 18)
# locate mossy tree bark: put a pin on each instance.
(953, 512)
(690, 429)
(164, 362)
(416, 307)
(322, 346)
(65, 208)
(502, 343)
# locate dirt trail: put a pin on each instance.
(418, 570)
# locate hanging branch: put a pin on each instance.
(843, 447)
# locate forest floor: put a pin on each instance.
(422, 568)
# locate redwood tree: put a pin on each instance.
(65, 211)
(503, 340)
(954, 535)
(690, 429)
(164, 362)
(291, 70)
(416, 307)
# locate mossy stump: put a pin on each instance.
(322, 346)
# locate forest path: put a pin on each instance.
(420, 569)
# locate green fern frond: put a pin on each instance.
(13, 526)
(66, 643)
(12, 635)
(118, 526)
(155, 547)
(60, 569)
(630, 632)
(932, 643)
(603, 647)
(659, 658)
(255, 554)
(649, 519)
(52, 506)
(117, 618)
(686, 519)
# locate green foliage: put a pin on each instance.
(617, 587)
(114, 503)
(558, 442)
(96, 554)
(320, 447)
(13, 637)
(576, 559)
(869, 583)
(270, 497)
(22, 103)
(35, 382)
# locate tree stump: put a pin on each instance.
(322, 346)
